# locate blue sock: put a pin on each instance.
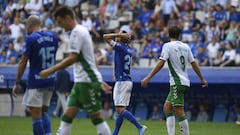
(37, 127)
(118, 124)
(46, 123)
(126, 114)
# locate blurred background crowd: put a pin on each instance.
(210, 27)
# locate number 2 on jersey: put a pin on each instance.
(47, 54)
(127, 64)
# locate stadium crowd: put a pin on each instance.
(210, 27)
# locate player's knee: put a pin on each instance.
(96, 121)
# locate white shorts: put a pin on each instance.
(37, 97)
(122, 92)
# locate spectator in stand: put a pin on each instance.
(219, 14)
(231, 32)
(212, 49)
(107, 111)
(164, 35)
(187, 33)
(220, 52)
(6, 20)
(11, 52)
(5, 37)
(1, 49)
(47, 5)
(139, 31)
(11, 7)
(157, 48)
(72, 3)
(195, 43)
(111, 9)
(229, 56)
(21, 6)
(156, 113)
(19, 46)
(202, 114)
(102, 7)
(101, 59)
(222, 30)
(17, 29)
(237, 61)
(78, 13)
(212, 30)
(34, 7)
(145, 15)
(146, 50)
(3, 58)
(167, 7)
(86, 21)
(234, 15)
(98, 28)
(109, 55)
(47, 22)
(202, 56)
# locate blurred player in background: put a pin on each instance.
(178, 56)
(86, 92)
(123, 86)
(40, 50)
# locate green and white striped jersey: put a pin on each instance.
(178, 55)
(85, 69)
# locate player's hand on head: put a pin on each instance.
(106, 88)
(204, 83)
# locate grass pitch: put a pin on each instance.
(22, 126)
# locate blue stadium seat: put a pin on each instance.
(219, 114)
(141, 111)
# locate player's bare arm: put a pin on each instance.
(21, 68)
(158, 67)
(198, 72)
(109, 37)
(72, 58)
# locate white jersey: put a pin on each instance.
(178, 55)
(85, 69)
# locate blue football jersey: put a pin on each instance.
(122, 61)
(41, 50)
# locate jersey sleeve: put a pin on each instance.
(165, 52)
(76, 42)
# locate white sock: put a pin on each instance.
(184, 128)
(171, 125)
(64, 129)
(103, 129)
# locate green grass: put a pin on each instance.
(22, 126)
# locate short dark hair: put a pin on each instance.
(63, 11)
(174, 32)
(125, 40)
